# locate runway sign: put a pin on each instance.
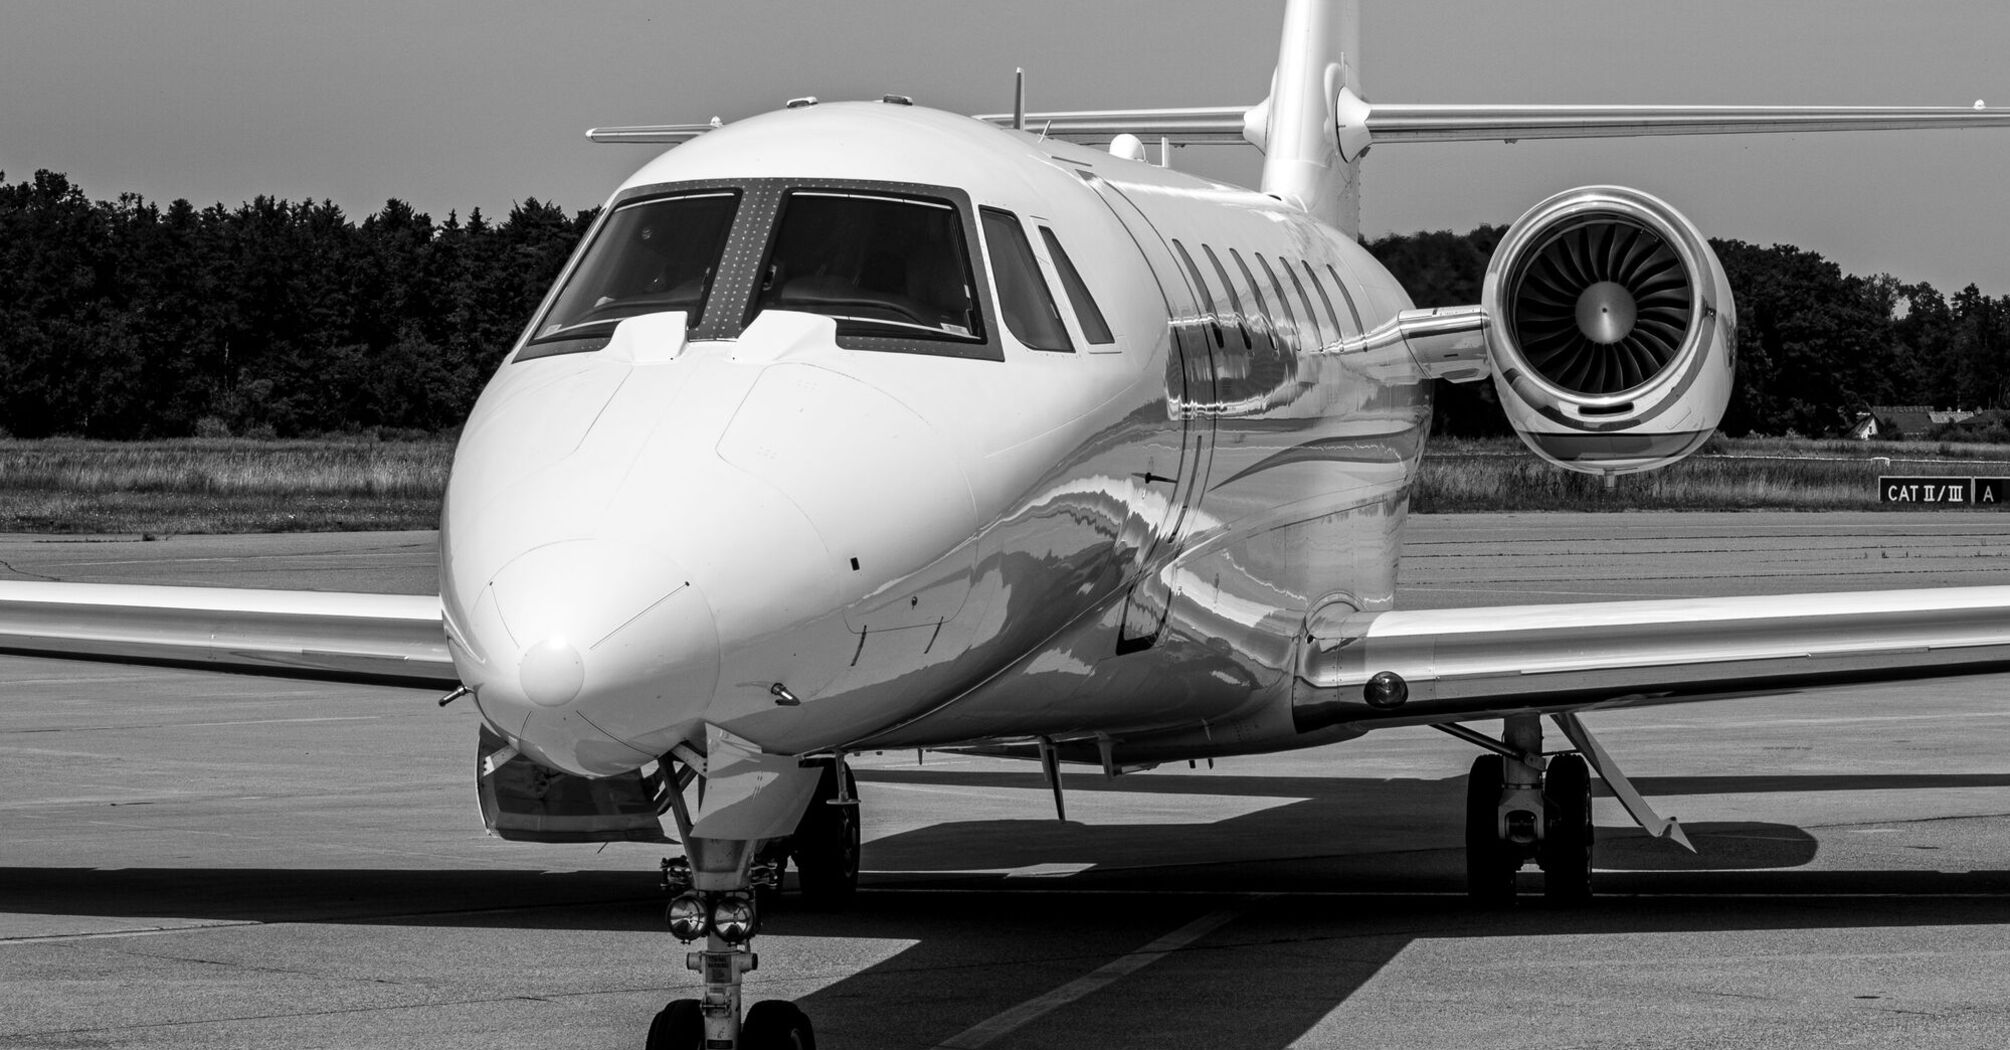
(1944, 491)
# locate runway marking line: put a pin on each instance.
(151, 931)
(986, 1032)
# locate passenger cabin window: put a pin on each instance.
(649, 256)
(1023, 296)
(1094, 328)
(1256, 291)
(1283, 301)
(881, 266)
(1200, 286)
(1327, 300)
(1312, 328)
(1348, 296)
(1228, 285)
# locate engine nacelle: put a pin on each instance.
(1613, 339)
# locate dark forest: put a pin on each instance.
(127, 319)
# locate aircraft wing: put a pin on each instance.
(377, 638)
(1461, 664)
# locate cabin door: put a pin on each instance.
(1175, 457)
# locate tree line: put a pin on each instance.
(125, 319)
(1816, 347)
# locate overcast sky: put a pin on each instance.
(453, 104)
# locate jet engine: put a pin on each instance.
(1613, 338)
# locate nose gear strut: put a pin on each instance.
(724, 880)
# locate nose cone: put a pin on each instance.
(578, 648)
(552, 673)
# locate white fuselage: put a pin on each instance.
(787, 503)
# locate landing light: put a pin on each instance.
(688, 917)
(734, 918)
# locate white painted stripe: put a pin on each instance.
(1044, 889)
(151, 931)
(986, 1032)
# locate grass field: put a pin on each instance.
(1729, 474)
(220, 485)
(241, 485)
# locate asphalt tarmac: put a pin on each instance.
(197, 860)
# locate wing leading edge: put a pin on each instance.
(1461, 664)
(373, 638)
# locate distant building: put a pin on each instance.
(1911, 421)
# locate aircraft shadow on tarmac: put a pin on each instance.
(1353, 833)
(1332, 878)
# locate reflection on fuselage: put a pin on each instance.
(940, 537)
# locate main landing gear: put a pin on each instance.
(1524, 806)
(723, 880)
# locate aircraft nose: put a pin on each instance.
(552, 673)
(579, 648)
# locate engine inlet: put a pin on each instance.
(1601, 305)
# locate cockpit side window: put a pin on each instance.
(880, 265)
(1094, 328)
(1030, 313)
(650, 256)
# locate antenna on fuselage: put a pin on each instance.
(1019, 99)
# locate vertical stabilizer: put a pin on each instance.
(1299, 127)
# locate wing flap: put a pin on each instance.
(385, 638)
(1472, 663)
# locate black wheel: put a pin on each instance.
(1490, 865)
(1566, 844)
(678, 1026)
(825, 845)
(777, 1024)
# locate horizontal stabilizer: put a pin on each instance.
(1223, 125)
(1448, 123)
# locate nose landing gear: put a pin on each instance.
(777, 809)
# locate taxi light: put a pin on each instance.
(734, 917)
(1385, 691)
(688, 917)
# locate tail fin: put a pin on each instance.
(1299, 127)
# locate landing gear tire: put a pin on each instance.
(777, 1024)
(826, 844)
(1567, 838)
(1490, 862)
(678, 1026)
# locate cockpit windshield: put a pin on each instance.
(651, 256)
(881, 266)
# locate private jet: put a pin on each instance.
(860, 426)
